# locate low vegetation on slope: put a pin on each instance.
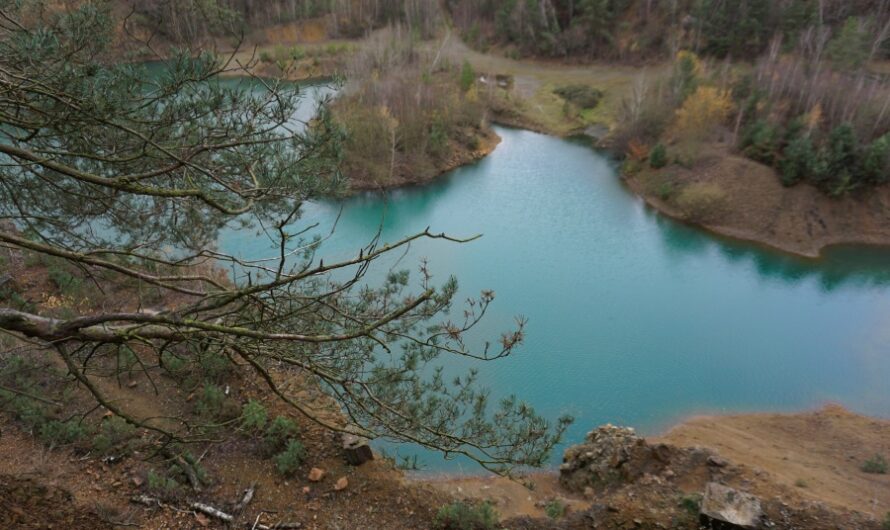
(409, 113)
(119, 181)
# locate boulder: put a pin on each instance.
(356, 450)
(724, 508)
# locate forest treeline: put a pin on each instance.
(183, 21)
(648, 29)
(626, 30)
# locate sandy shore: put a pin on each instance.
(803, 457)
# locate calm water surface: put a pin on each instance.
(633, 319)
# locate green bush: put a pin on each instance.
(582, 96)
(113, 432)
(850, 48)
(658, 158)
(464, 516)
(760, 142)
(800, 161)
(876, 465)
(289, 461)
(254, 416)
(278, 432)
(876, 160)
(161, 484)
(700, 200)
(214, 367)
(555, 509)
(665, 191)
(67, 283)
(886, 525)
(55, 432)
(467, 76)
(297, 53)
(173, 365)
(691, 503)
(210, 403)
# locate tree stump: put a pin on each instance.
(356, 450)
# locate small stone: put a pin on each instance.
(137, 481)
(716, 461)
(316, 474)
(306, 490)
(588, 492)
(341, 484)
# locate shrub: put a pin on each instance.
(705, 109)
(665, 191)
(173, 364)
(555, 509)
(253, 415)
(658, 158)
(289, 461)
(850, 48)
(210, 404)
(760, 142)
(55, 432)
(297, 53)
(684, 80)
(691, 503)
(800, 162)
(161, 484)
(876, 161)
(278, 432)
(464, 516)
(67, 283)
(886, 525)
(700, 200)
(582, 96)
(112, 433)
(876, 465)
(214, 367)
(467, 76)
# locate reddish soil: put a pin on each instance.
(756, 207)
(804, 467)
(818, 454)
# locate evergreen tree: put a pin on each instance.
(850, 48)
(799, 161)
(161, 164)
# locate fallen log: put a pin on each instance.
(206, 509)
(245, 500)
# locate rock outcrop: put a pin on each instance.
(613, 456)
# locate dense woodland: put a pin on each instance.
(188, 20)
(647, 29)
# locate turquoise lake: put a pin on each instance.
(634, 319)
